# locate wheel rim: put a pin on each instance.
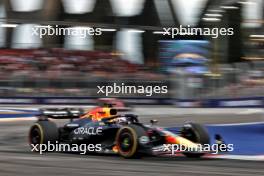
(126, 142)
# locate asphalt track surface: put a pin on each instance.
(17, 159)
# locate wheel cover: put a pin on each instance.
(126, 142)
(189, 134)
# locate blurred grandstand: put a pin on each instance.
(129, 50)
(59, 72)
(65, 72)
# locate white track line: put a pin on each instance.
(239, 157)
(237, 124)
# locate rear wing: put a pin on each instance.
(60, 113)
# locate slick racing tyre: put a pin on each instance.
(43, 132)
(196, 133)
(130, 139)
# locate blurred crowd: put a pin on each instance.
(55, 72)
(64, 64)
(238, 90)
(241, 82)
(59, 72)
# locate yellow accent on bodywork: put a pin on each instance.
(185, 142)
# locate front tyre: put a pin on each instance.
(43, 132)
(130, 139)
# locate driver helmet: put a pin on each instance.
(98, 114)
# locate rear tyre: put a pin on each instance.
(43, 132)
(196, 133)
(130, 139)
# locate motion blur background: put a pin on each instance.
(131, 48)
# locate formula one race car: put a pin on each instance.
(120, 134)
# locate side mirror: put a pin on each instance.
(153, 121)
